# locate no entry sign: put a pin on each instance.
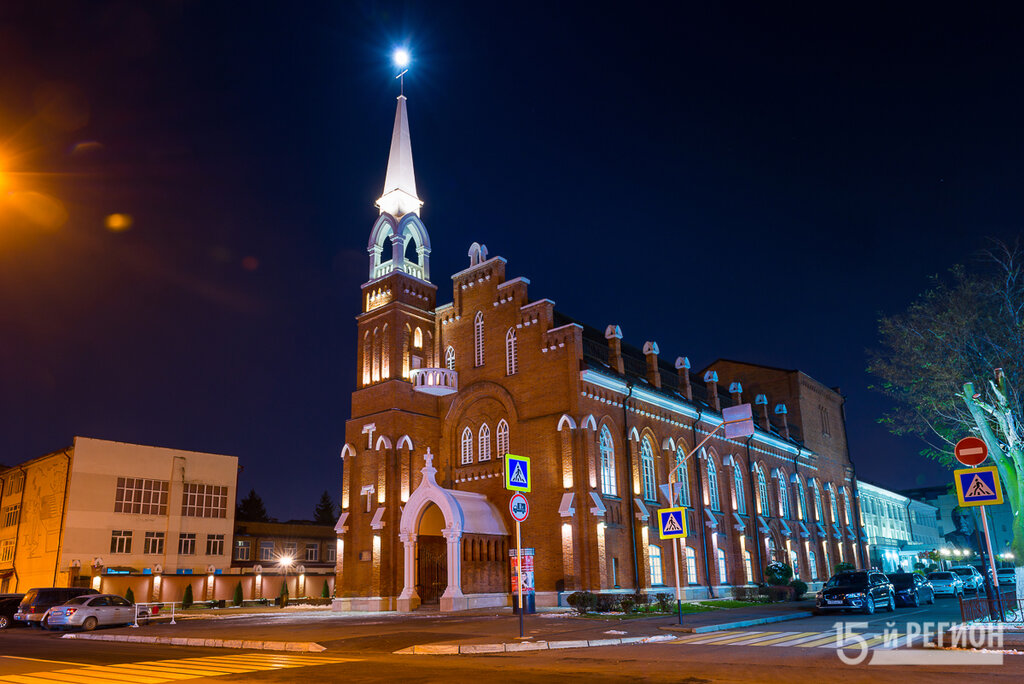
(971, 451)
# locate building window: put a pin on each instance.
(144, 497)
(313, 553)
(826, 428)
(691, 565)
(291, 550)
(7, 551)
(647, 468)
(607, 450)
(243, 550)
(121, 541)
(502, 438)
(215, 545)
(417, 338)
(818, 514)
(366, 358)
(266, 550)
(15, 483)
(748, 567)
(812, 565)
(722, 578)
(762, 493)
(449, 358)
(771, 550)
(654, 553)
(824, 557)
(511, 355)
(713, 485)
(204, 501)
(783, 497)
(10, 515)
(153, 543)
(478, 339)
(331, 554)
(832, 504)
(795, 562)
(801, 502)
(187, 544)
(484, 443)
(467, 446)
(683, 476)
(846, 507)
(737, 488)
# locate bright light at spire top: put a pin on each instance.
(401, 58)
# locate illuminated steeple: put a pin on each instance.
(400, 196)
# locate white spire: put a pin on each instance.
(399, 196)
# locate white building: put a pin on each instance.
(897, 527)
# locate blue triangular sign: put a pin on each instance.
(518, 476)
(673, 523)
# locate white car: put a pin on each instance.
(973, 580)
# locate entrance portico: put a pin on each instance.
(464, 513)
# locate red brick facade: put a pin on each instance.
(559, 390)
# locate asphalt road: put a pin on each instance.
(35, 657)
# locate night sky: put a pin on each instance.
(750, 182)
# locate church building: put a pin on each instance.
(445, 391)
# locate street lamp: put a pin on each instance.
(285, 562)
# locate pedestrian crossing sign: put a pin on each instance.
(978, 486)
(672, 523)
(517, 473)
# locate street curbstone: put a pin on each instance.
(703, 629)
(567, 644)
(482, 648)
(526, 646)
(255, 645)
(233, 643)
(274, 645)
(604, 642)
(437, 649)
(195, 642)
(179, 641)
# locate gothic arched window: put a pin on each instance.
(511, 353)
(502, 438)
(647, 470)
(783, 497)
(478, 339)
(713, 485)
(467, 446)
(449, 358)
(484, 443)
(607, 449)
(683, 476)
(762, 491)
(737, 478)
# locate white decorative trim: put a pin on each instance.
(566, 420)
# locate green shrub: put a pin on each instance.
(129, 595)
(781, 593)
(582, 602)
(799, 587)
(778, 573)
(187, 600)
(844, 567)
(237, 598)
(627, 603)
(664, 602)
(751, 593)
(326, 591)
(283, 596)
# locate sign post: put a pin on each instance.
(518, 480)
(978, 487)
(672, 525)
(519, 507)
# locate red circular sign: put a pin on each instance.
(971, 451)
(519, 507)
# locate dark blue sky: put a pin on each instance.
(731, 180)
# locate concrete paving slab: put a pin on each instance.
(482, 648)
(526, 646)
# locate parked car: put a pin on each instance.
(1007, 577)
(33, 607)
(973, 580)
(91, 611)
(862, 590)
(911, 588)
(8, 606)
(945, 582)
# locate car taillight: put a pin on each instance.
(31, 609)
(70, 611)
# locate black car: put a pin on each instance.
(911, 589)
(8, 605)
(32, 609)
(862, 590)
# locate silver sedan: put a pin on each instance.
(92, 610)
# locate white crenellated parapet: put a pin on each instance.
(436, 381)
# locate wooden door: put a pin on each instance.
(432, 567)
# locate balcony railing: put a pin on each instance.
(436, 381)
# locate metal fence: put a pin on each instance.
(1002, 608)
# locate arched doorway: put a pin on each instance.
(431, 556)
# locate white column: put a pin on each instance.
(453, 598)
(409, 599)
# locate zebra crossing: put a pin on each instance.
(812, 639)
(161, 671)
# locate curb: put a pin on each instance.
(739, 623)
(519, 646)
(294, 646)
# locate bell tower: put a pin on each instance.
(396, 326)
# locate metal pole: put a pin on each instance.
(519, 564)
(679, 593)
(992, 563)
